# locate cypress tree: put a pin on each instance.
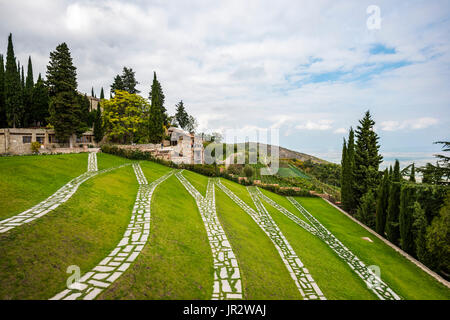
(13, 92)
(366, 211)
(344, 173)
(98, 125)
(382, 204)
(65, 110)
(412, 176)
(92, 92)
(407, 199)
(392, 224)
(29, 112)
(102, 94)
(3, 122)
(419, 231)
(367, 158)
(156, 117)
(351, 185)
(40, 102)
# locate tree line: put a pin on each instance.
(412, 215)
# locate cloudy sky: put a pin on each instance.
(307, 68)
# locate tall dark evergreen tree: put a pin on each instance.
(366, 211)
(351, 184)
(129, 80)
(156, 115)
(412, 176)
(117, 84)
(40, 102)
(382, 203)
(65, 110)
(181, 115)
(367, 158)
(29, 116)
(392, 224)
(406, 217)
(102, 94)
(98, 125)
(92, 92)
(3, 122)
(13, 88)
(419, 231)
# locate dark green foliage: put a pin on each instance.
(126, 82)
(40, 103)
(382, 203)
(367, 158)
(412, 176)
(3, 122)
(157, 110)
(348, 185)
(98, 125)
(102, 94)
(366, 210)
(13, 89)
(392, 224)
(439, 173)
(67, 114)
(29, 116)
(181, 115)
(419, 232)
(92, 92)
(406, 217)
(248, 171)
(438, 239)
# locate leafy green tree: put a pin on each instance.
(66, 113)
(406, 217)
(13, 88)
(3, 122)
(392, 224)
(366, 210)
(438, 238)
(382, 203)
(181, 115)
(125, 117)
(192, 124)
(248, 171)
(40, 103)
(367, 158)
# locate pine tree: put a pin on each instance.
(392, 224)
(40, 102)
(129, 80)
(13, 88)
(65, 110)
(407, 199)
(3, 122)
(156, 116)
(117, 85)
(367, 158)
(29, 115)
(102, 94)
(412, 176)
(181, 115)
(351, 185)
(366, 210)
(382, 203)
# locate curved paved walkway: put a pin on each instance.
(56, 199)
(299, 273)
(373, 282)
(92, 283)
(227, 278)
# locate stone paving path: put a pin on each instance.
(227, 278)
(299, 273)
(92, 283)
(56, 199)
(374, 283)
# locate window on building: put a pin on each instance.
(40, 139)
(26, 139)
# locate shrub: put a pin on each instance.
(248, 171)
(35, 146)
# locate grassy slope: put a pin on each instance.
(199, 181)
(35, 257)
(264, 275)
(404, 277)
(334, 276)
(177, 261)
(27, 180)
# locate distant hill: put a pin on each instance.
(287, 153)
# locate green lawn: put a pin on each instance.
(177, 261)
(27, 180)
(199, 181)
(406, 279)
(82, 231)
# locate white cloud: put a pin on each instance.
(410, 124)
(340, 130)
(315, 125)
